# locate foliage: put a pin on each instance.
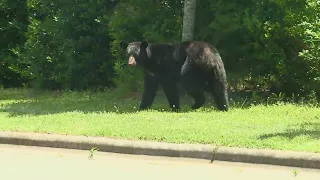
(67, 44)
(309, 29)
(266, 45)
(264, 39)
(13, 25)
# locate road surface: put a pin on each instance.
(37, 163)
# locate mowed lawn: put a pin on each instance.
(284, 127)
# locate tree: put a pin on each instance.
(189, 19)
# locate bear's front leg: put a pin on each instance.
(149, 92)
(172, 93)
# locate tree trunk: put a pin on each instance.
(188, 19)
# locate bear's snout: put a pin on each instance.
(132, 61)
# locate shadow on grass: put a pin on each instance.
(55, 106)
(51, 106)
(307, 129)
(14, 94)
(36, 103)
(48, 103)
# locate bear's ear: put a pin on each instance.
(144, 44)
(123, 44)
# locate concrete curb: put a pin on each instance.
(258, 156)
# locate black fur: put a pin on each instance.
(196, 65)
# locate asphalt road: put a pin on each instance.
(38, 163)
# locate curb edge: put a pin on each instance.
(208, 152)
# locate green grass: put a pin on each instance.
(284, 126)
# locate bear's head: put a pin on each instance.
(136, 52)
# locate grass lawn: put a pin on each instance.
(284, 127)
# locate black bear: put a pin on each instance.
(196, 65)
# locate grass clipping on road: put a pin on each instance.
(283, 127)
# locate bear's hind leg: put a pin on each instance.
(193, 84)
(220, 94)
(199, 99)
(196, 91)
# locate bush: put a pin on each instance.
(263, 40)
(13, 25)
(68, 44)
